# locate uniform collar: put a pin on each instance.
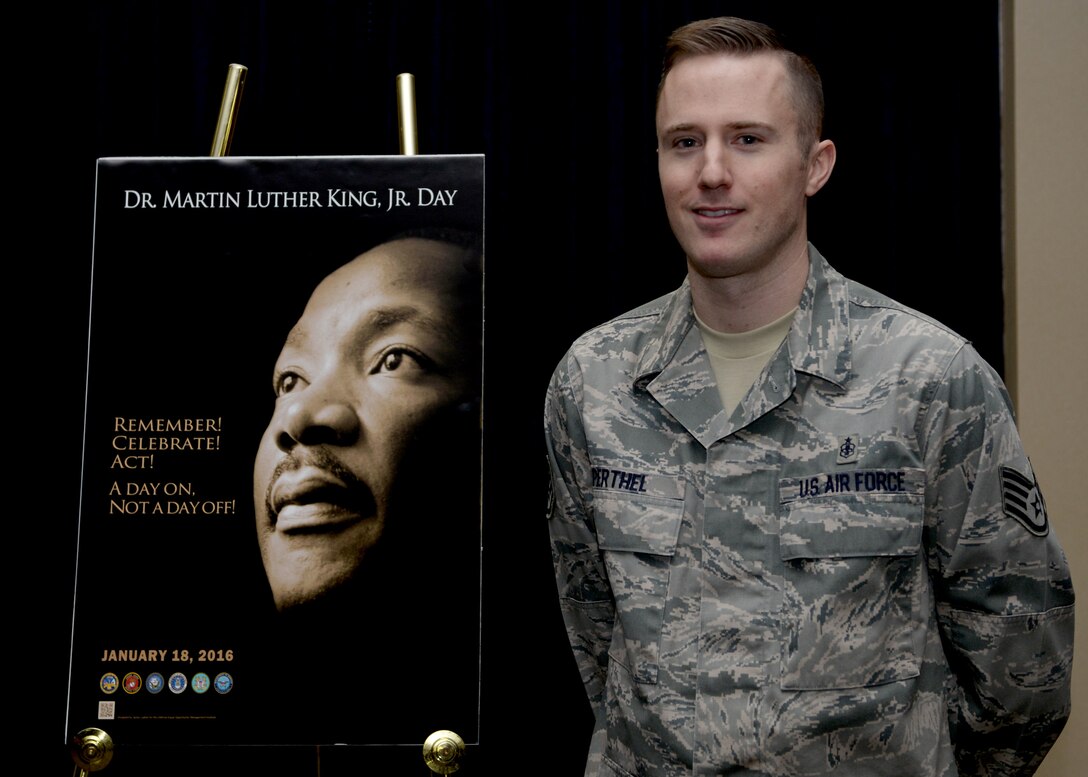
(819, 338)
(820, 341)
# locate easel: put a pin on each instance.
(92, 748)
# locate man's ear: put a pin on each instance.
(820, 164)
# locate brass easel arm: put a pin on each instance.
(228, 110)
(406, 114)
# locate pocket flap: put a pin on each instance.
(637, 523)
(852, 526)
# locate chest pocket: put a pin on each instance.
(637, 534)
(854, 579)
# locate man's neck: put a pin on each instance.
(745, 302)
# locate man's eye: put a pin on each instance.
(288, 382)
(685, 143)
(400, 358)
(748, 140)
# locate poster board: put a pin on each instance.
(183, 627)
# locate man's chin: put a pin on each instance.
(329, 588)
(311, 592)
(293, 601)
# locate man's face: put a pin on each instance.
(733, 175)
(383, 350)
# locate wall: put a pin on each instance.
(1047, 281)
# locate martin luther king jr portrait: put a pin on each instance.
(366, 482)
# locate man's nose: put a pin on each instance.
(715, 170)
(317, 417)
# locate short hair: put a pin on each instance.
(733, 35)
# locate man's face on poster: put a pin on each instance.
(386, 351)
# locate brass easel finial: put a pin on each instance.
(228, 110)
(92, 749)
(442, 752)
(406, 114)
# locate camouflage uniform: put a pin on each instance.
(852, 574)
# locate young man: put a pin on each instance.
(794, 529)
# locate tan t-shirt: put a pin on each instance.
(738, 358)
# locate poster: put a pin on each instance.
(280, 522)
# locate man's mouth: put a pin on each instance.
(310, 499)
(715, 212)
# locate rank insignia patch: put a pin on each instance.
(1022, 500)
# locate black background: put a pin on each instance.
(560, 99)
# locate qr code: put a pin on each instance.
(106, 710)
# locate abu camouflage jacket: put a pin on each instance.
(851, 574)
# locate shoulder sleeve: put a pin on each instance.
(585, 597)
(1001, 581)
